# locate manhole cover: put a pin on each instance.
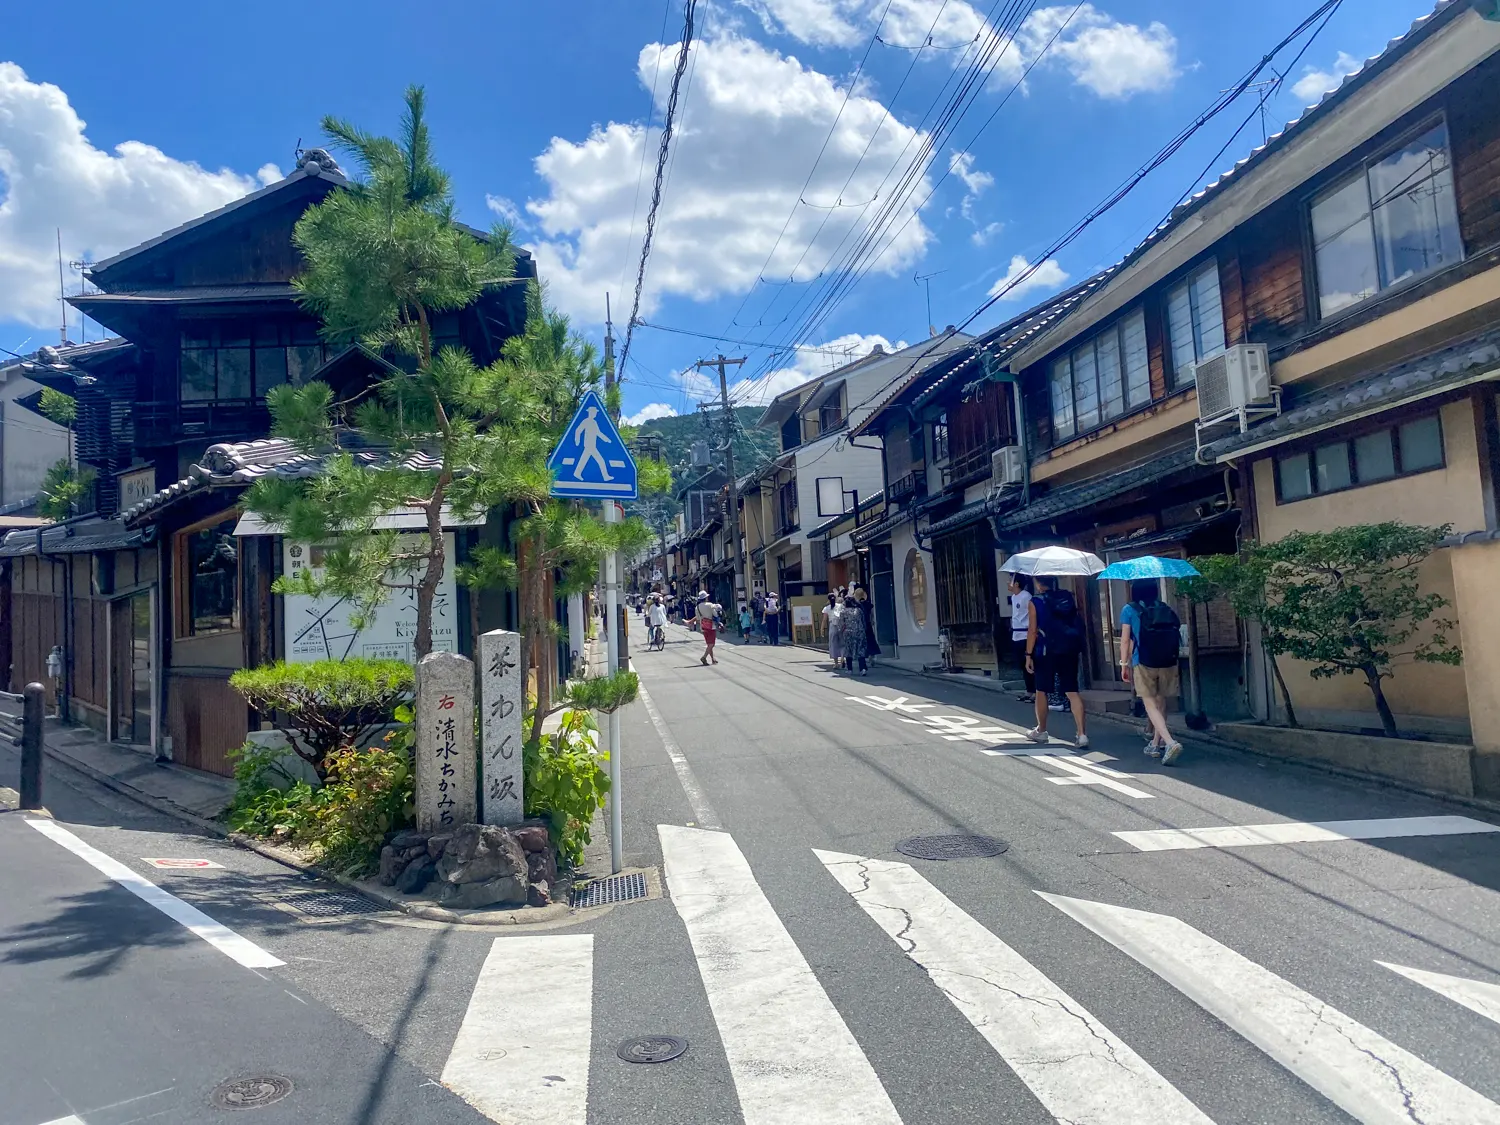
(327, 904)
(652, 1049)
(616, 888)
(951, 847)
(251, 1092)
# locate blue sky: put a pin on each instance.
(118, 121)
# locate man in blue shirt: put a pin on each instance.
(1149, 626)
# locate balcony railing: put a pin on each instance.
(968, 467)
(161, 423)
(913, 486)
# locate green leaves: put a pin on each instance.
(566, 782)
(605, 693)
(1348, 601)
(58, 407)
(64, 490)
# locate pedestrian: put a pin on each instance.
(758, 611)
(708, 616)
(867, 615)
(1053, 644)
(831, 629)
(747, 625)
(1150, 633)
(1020, 626)
(852, 636)
(656, 623)
(773, 618)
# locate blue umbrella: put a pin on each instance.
(1148, 566)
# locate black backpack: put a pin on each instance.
(1159, 635)
(1064, 631)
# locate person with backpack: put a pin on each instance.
(1150, 632)
(1054, 641)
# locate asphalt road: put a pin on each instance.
(817, 974)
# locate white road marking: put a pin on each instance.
(1366, 1075)
(703, 812)
(793, 1059)
(219, 936)
(522, 1053)
(900, 703)
(71, 1119)
(1078, 1069)
(1081, 771)
(1476, 995)
(1300, 832)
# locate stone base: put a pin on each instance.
(1443, 767)
(473, 867)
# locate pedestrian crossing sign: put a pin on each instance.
(591, 461)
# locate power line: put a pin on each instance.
(661, 169)
(736, 340)
(640, 175)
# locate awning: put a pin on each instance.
(1076, 497)
(403, 519)
(960, 519)
(881, 529)
(827, 391)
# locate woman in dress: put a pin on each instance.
(852, 628)
(831, 628)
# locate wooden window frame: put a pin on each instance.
(1116, 326)
(1185, 277)
(1348, 440)
(182, 596)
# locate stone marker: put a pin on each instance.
(445, 742)
(500, 699)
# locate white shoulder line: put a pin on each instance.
(219, 936)
(765, 996)
(1302, 832)
(1366, 1075)
(1476, 995)
(522, 1052)
(1078, 1069)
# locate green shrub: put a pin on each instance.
(566, 782)
(605, 693)
(267, 799)
(327, 705)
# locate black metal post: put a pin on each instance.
(33, 712)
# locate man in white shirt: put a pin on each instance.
(656, 621)
(1020, 623)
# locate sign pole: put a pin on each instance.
(611, 603)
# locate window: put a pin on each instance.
(916, 588)
(207, 579)
(940, 439)
(225, 363)
(1412, 447)
(1195, 321)
(1394, 219)
(791, 433)
(831, 496)
(1102, 379)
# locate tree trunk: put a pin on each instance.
(1387, 717)
(427, 588)
(530, 604)
(1286, 695)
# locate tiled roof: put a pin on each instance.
(1072, 497)
(237, 464)
(971, 513)
(1467, 361)
(881, 528)
(187, 294)
(88, 533)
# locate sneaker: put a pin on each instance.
(1057, 706)
(1170, 755)
(1152, 750)
(1037, 734)
(1025, 697)
(1081, 742)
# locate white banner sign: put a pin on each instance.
(319, 628)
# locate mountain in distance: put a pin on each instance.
(678, 435)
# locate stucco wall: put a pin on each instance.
(1449, 495)
(30, 443)
(1476, 570)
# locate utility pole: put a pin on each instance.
(741, 583)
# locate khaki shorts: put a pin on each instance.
(1156, 683)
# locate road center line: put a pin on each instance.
(221, 937)
(703, 812)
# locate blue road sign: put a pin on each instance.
(591, 462)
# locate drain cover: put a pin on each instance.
(616, 888)
(652, 1049)
(327, 904)
(951, 847)
(251, 1092)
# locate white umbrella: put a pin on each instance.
(1053, 560)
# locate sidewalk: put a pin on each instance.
(135, 774)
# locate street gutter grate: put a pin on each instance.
(328, 904)
(616, 888)
(952, 847)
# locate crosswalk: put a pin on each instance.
(794, 1057)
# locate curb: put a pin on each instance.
(523, 916)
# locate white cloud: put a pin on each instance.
(982, 236)
(1112, 58)
(822, 23)
(52, 177)
(506, 209)
(1314, 83)
(748, 133)
(809, 364)
(1049, 275)
(648, 412)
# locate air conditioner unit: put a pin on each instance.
(1007, 466)
(1232, 380)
